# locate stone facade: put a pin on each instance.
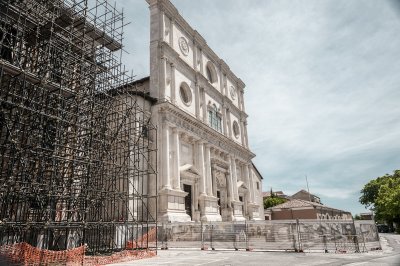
(204, 163)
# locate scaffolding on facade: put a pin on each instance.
(75, 146)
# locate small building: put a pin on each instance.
(305, 195)
(303, 209)
(278, 194)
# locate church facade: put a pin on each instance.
(204, 166)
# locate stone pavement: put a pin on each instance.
(389, 256)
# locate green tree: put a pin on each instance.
(382, 195)
(273, 200)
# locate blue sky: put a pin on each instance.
(322, 85)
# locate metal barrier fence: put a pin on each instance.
(289, 235)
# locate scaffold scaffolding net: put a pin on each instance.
(76, 140)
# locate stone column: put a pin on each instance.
(196, 196)
(163, 78)
(214, 182)
(251, 182)
(248, 196)
(200, 55)
(234, 179)
(224, 119)
(221, 79)
(176, 160)
(242, 137)
(200, 158)
(245, 134)
(241, 96)
(246, 178)
(203, 96)
(194, 55)
(165, 156)
(228, 123)
(173, 87)
(231, 196)
(225, 87)
(171, 33)
(207, 166)
(197, 100)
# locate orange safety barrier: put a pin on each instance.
(27, 255)
(126, 255)
(150, 236)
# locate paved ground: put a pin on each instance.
(389, 256)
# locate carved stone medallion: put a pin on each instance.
(232, 91)
(183, 45)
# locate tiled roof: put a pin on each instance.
(277, 193)
(297, 203)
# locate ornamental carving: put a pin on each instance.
(232, 91)
(183, 45)
(221, 179)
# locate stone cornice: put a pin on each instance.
(199, 39)
(220, 163)
(180, 118)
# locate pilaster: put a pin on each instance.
(176, 159)
(224, 119)
(250, 175)
(163, 78)
(165, 156)
(234, 179)
(197, 100)
(200, 162)
(207, 160)
(173, 85)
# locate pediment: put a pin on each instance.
(189, 169)
(241, 185)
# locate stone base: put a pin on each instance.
(209, 209)
(211, 218)
(174, 216)
(196, 216)
(172, 206)
(227, 215)
(254, 211)
(237, 211)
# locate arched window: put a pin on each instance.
(208, 73)
(214, 118)
(211, 74)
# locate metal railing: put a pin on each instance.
(341, 236)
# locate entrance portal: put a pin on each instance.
(188, 199)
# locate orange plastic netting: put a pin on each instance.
(143, 241)
(25, 254)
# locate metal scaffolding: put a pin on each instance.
(76, 142)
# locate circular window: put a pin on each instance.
(186, 94)
(236, 131)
